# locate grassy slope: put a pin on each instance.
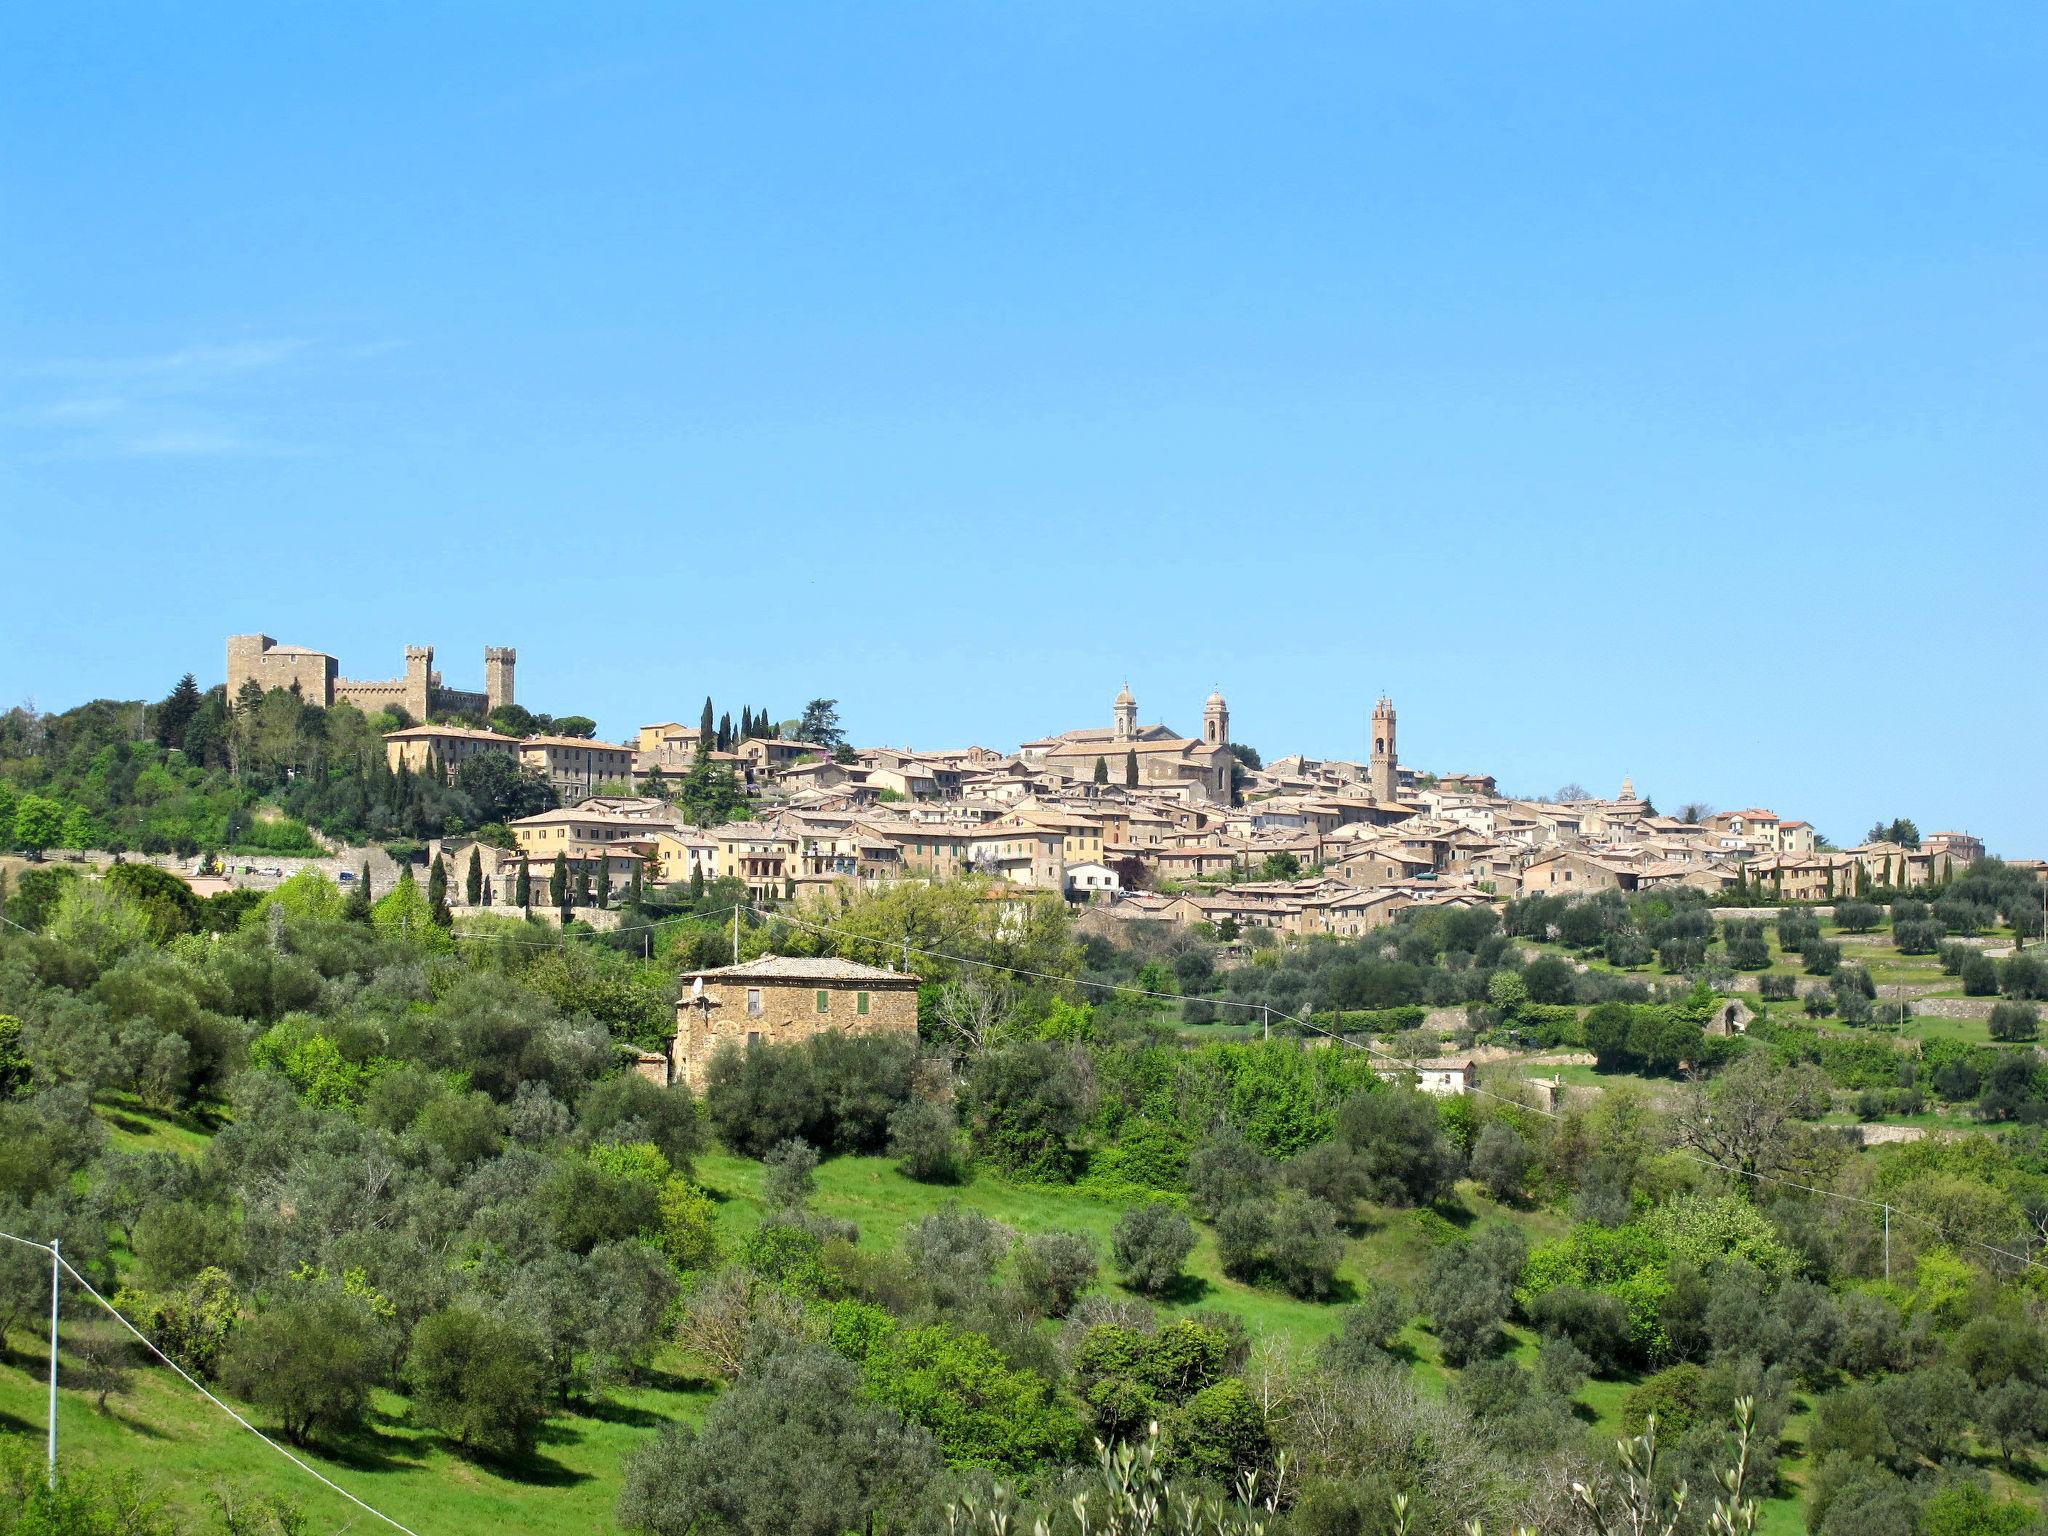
(185, 1446)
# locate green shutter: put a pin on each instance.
(824, 1001)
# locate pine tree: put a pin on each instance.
(558, 885)
(522, 890)
(473, 882)
(1102, 770)
(437, 894)
(175, 714)
(357, 907)
(1131, 769)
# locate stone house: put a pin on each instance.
(450, 746)
(575, 766)
(782, 1000)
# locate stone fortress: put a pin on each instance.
(420, 692)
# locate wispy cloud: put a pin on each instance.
(194, 366)
(210, 399)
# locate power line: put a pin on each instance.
(304, 1466)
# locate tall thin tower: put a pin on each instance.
(1384, 757)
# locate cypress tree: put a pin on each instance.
(635, 890)
(1131, 769)
(357, 907)
(603, 882)
(696, 882)
(582, 882)
(1102, 770)
(558, 885)
(437, 894)
(522, 891)
(705, 728)
(725, 733)
(473, 882)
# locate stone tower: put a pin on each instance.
(1126, 715)
(498, 663)
(419, 681)
(1384, 757)
(1216, 721)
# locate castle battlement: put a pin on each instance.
(261, 660)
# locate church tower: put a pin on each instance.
(1384, 758)
(1216, 721)
(1126, 715)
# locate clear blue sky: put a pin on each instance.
(1648, 389)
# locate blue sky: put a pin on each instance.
(1626, 389)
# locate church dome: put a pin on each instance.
(1216, 700)
(1125, 696)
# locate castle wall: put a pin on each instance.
(260, 659)
(370, 697)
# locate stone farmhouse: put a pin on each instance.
(783, 1000)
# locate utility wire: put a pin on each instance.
(304, 1466)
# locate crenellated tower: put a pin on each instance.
(498, 663)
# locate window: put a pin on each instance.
(753, 1038)
(824, 1001)
(860, 1004)
(754, 1002)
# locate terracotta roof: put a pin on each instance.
(801, 968)
(421, 732)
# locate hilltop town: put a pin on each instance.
(1136, 819)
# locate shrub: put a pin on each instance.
(1748, 949)
(2025, 975)
(1921, 938)
(311, 1361)
(1470, 1291)
(1304, 1247)
(1052, 1269)
(1370, 1330)
(1595, 1322)
(924, 1138)
(480, 1381)
(1820, 957)
(2015, 1021)
(1501, 1160)
(1150, 1245)
(789, 1176)
(1025, 1106)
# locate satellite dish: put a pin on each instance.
(697, 989)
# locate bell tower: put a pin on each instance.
(1216, 721)
(1126, 715)
(1384, 757)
